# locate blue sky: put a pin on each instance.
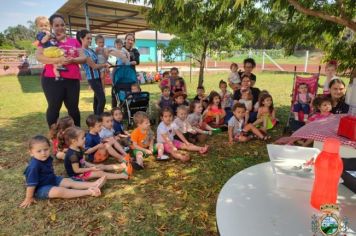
(14, 12)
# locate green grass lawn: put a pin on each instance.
(168, 198)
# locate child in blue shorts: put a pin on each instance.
(42, 183)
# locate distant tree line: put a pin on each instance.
(19, 37)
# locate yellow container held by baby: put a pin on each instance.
(53, 52)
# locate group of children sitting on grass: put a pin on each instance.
(182, 126)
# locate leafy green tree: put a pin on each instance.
(328, 25)
(200, 26)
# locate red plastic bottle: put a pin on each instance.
(328, 169)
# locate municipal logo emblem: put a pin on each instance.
(329, 222)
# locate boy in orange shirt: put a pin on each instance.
(142, 139)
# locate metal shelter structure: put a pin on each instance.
(104, 16)
(107, 17)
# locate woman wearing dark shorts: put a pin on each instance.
(92, 71)
(65, 89)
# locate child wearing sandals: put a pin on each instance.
(238, 128)
(166, 133)
(42, 183)
(56, 135)
(78, 169)
(182, 124)
(143, 140)
(96, 150)
(214, 113)
(195, 118)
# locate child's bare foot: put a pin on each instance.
(124, 175)
(95, 192)
(204, 149)
(182, 156)
(100, 182)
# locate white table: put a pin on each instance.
(251, 204)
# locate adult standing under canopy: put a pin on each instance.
(92, 71)
(337, 95)
(134, 54)
(134, 60)
(66, 89)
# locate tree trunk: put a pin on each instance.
(353, 76)
(202, 64)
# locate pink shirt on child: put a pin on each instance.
(164, 83)
(318, 116)
(70, 47)
(303, 97)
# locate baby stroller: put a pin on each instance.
(312, 83)
(135, 102)
(122, 79)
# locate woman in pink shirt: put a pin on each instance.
(66, 88)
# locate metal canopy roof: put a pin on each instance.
(107, 17)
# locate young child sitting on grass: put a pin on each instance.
(98, 151)
(166, 133)
(238, 128)
(143, 140)
(165, 82)
(78, 169)
(179, 99)
(118, 126)
(42, 183)
(195, 118)
(165, 100)
(107, 132)
(214, 113)
(183, 125)
(226, 100)
(56, 135)
(201, 97)
(266, 115)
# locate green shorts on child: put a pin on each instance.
(145, 155)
